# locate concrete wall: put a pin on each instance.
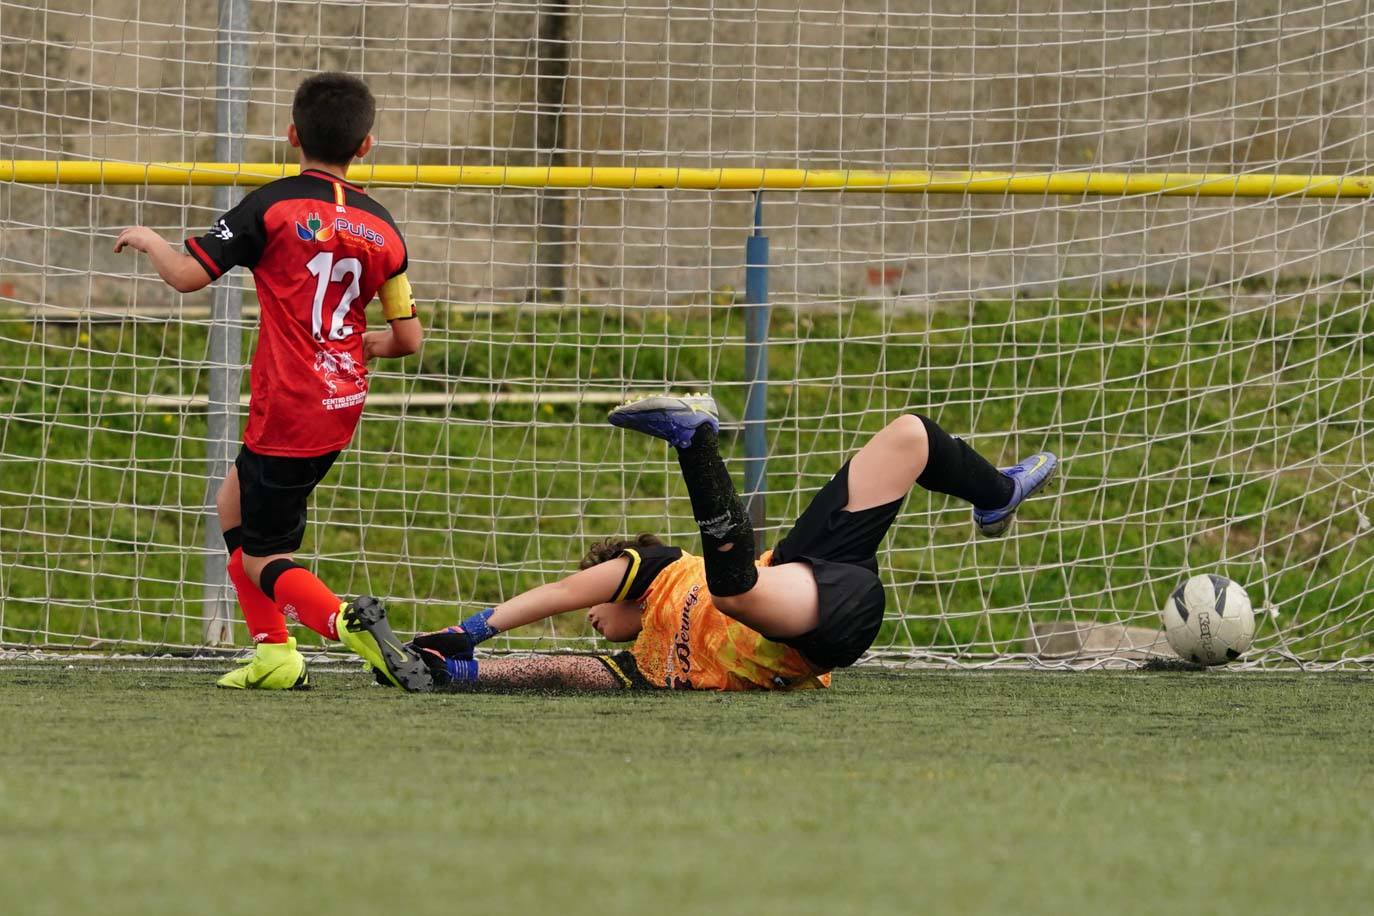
(1025, 84)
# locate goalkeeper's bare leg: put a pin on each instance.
(448, 653)
(539, 672)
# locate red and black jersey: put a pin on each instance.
(319, 249)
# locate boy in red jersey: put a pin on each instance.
(319, 249)
(725, 620)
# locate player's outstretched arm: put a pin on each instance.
(449, 652)
(581, 590)
(181, 272)
(577, 592)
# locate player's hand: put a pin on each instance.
(139, 238)
(371, 341)
(451, 642)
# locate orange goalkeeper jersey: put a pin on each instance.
(686, 643)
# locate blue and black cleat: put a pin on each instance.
(672, 419)
(1027, 478)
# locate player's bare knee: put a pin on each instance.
(911, 428)
(254, 566)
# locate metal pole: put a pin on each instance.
(226, 307)
(756, 370)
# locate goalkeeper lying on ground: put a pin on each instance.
(726, 621)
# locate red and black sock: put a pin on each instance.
(301, 596)
(265, 622)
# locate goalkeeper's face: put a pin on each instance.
(617, 621)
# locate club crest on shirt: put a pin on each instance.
(335, 368)
(314, 229)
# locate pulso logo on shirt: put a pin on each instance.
(361, 231)
(315, 230)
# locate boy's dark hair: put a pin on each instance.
(611, 548)
(333, 113)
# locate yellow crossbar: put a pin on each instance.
(1173, 184)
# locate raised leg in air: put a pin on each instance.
(779, 601)
(914, 450)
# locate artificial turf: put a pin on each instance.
(135, 788)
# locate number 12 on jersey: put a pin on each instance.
(326, 270)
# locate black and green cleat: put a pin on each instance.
(363, 627)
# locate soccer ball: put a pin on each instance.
(1209, 620)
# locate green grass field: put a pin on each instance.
(144, 791)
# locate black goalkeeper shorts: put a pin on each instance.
(274, 493)
(842, 550)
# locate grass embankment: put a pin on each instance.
(1195, 437)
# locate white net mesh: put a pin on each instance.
(1203, 366)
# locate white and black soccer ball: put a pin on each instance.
(1209, 620)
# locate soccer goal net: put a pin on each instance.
(1203, 364)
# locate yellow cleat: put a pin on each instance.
(274, 666)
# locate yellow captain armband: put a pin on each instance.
(397, 299)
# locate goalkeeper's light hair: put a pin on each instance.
(609, 549)
(333, 114)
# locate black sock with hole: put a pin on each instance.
(955, 468)
(727, 535)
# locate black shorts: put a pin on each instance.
(842, 550)
(273, 494)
